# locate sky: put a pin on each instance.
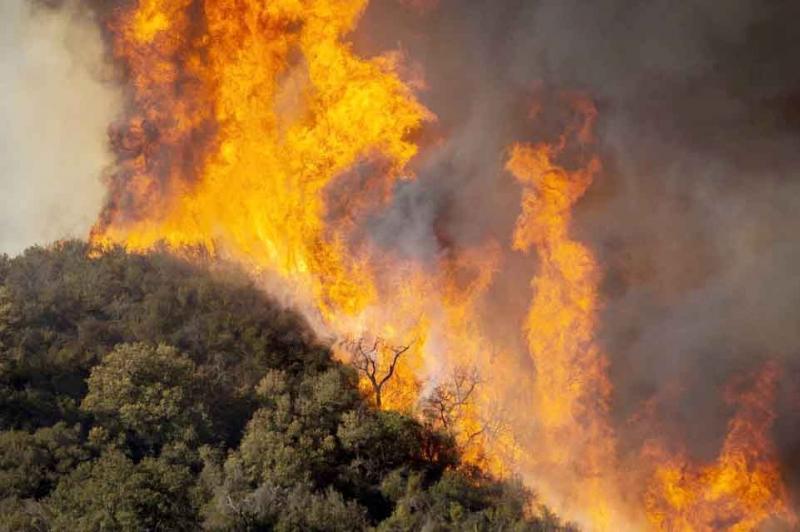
(54, 113)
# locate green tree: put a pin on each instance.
(247, 423)
(464, 499)
(293, 436)
(113, 493)
(378, 442)
(148, 392)
(30, 464)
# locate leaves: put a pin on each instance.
(148, 392)
(144, 393)
(113, 493)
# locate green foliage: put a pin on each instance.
(23, 515)
(271, 507)
(293, 436)
(30, 464)
(462, 499)
(150, 393)
(381, 441)
(113, 493)
(68, 311)
(144, 393)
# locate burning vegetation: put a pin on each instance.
(257, 134)
(743, 488)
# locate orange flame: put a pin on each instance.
(738, 492)
(282, 107)
(571, 391)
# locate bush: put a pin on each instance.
(145, 393)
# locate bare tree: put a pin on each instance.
(493, 423)
(442, 407)
(370, 359)
(445, 409)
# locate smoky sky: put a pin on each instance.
(56, 105)
(695, 216)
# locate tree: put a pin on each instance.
(247, 423)
(113, 493)
(464, 499)
(31, 464)
(148, 393)
(450, 408)
(380, 442)
(292, 437)
(444, 405)
(376, 361)
(23, 515)
(7, 318)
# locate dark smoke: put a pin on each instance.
(696, 214)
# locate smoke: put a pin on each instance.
(696, 214)
(55, 112)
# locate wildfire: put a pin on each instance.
(738, 492)
(251, 119)
(571, 391)
(258, 135)
(249, 116)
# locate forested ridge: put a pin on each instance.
(146, 393)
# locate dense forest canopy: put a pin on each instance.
(145, 393)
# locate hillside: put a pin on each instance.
(145, 393)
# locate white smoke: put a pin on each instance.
(54, 114)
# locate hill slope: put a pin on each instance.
(144, 393)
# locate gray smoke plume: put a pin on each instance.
(55, 111)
